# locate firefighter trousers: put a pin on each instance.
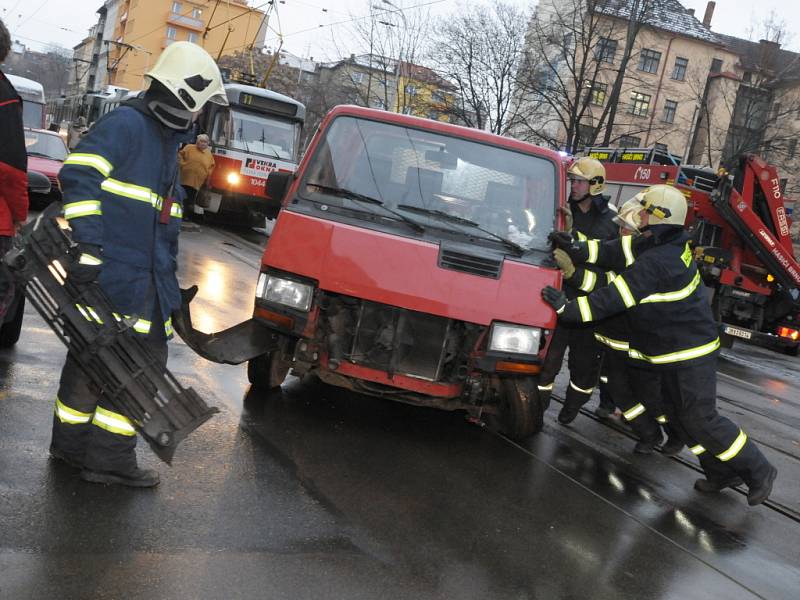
(690, 401)
(640, 410)
(87, 429)
(584, 361)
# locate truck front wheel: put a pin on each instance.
(267, 371)
(520, 410)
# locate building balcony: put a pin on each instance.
(166, 42)
(187, 22)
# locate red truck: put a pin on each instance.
(740, 231)
(407, 263)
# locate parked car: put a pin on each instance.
(46, 154)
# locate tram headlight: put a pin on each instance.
(233, 178)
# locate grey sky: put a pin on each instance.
(65, 22)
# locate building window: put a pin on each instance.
(437, 97)
(192, 37)
(792, 148)
(670, 106)
(648, 60)
(640, 104)
(598, 94)
(411, 90)
(176, 7)
(630, 141)
(172, 33)
(357, 77)
(747, 77)
(196, 13)
(679, 70)
(716, 65)
(586, 135)
(606, 50)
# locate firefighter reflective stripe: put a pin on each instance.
(90, 160)
(581, 390)
(612, 343)
(688, 354)
(662, 419)
(561, 310)
(735, 448)
(589, 281)
(677, 295)
(69, 415)
(176, 211)
(603, 379)
(610, 276)
(139, 326)
(168, 329)
(586, 310)
(545, 388)
(129, 190)
(627, 249)
(113, 422)
(88, 259)
(697, 450)
(581, 237)
(634, 412)
(142, 326)
(82, 209)
(594, 251)
(624, 291)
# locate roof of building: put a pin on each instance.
(424, 74)
(668, 15)
(764, 56)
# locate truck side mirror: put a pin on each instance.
(277, 184)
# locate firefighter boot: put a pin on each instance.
(709, 486)
(545, 391)
(760, 491)
(576, 397)
(142, 478)
(648, 431)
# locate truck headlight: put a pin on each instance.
(233, 178)
(514, 339)
(284, 291)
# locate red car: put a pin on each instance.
(407, 263)
(46, 154)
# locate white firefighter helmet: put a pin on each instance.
(190, 74)
(629, 215)
(590, 169)
(665, 204)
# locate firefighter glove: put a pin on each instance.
(86, 268)
(555, 298)
(564, 262)
(560, 239)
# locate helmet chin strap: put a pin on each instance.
(174, 118)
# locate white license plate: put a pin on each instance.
(735, 331)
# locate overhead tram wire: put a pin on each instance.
(30, 16)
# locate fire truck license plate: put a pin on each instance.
(742, 333)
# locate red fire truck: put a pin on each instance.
(257, 134)
(740, 230)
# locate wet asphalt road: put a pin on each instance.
(313, 492)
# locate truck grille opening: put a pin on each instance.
(466, 263)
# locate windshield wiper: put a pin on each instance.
(351, 195)
(462, 221)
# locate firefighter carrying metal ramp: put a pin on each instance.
(102, 343)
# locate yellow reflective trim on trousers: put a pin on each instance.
(130, 190)
(581, 390)
(735, 448)
(594, 251)
(88, 259)
(662, 419)
(176, 210)
(69, 415)
(610, 276)
(113, 422)
(82, 208)
(627, 249)
(697, 450)
(586, 310)
(634, 412)
(677, 295)
(545, 388)
(589, 281)
(90, 160)
(612, 343)
(624, 291)
(168, 329)
(688, 354)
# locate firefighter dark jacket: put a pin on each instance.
(13, 160)
(670, 316)
(596, 224)
(115, 183)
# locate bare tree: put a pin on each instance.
(479, 49)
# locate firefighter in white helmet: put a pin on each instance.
(123, 202)
(674, 339)
(592, 218)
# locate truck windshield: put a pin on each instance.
(257, 134)
(428, 175)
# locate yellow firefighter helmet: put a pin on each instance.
(629, 215)
(665, 204)
(190, 74)
(592, 170)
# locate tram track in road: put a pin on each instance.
(774, 505)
